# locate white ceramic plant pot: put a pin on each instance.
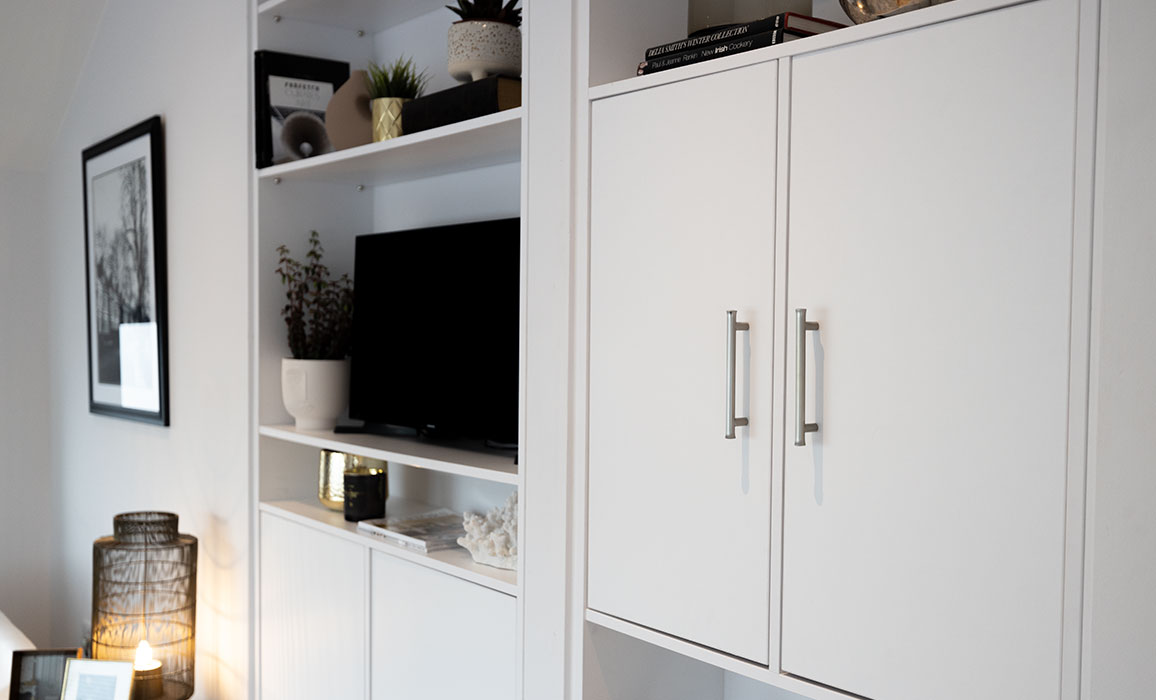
(479, 48)
(315, 392)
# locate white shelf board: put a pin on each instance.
(455, 562)
(474, 143)
(680, 646)
(371, 16)
(718, 659)
(490, 466)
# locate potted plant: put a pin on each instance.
(486, 40)
(390, 87)
(319, 316)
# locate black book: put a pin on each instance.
(705, 53)
(293, 90)
(467, 101)
(803, 25)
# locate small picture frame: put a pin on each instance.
(293, 93)
(38, 674)
(124, 242)
(89, 679)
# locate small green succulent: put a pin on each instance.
(489, 9)
(398, 79)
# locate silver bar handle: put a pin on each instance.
(802, 427)
(733, 327)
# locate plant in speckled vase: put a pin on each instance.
(486, 40)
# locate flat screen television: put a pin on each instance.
(435, 332)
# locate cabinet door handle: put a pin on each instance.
(802, 427)
(733, 327)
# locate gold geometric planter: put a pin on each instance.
(387, 117)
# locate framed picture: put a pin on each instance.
(39, 674)
(292, 95)
(89, 679)
(124, 242)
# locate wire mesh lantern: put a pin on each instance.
(144, 602)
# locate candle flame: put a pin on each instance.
(144, 657)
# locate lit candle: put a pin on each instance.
(147, 680)
(144, 658)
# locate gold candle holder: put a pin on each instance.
(331, 475)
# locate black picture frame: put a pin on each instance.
(126, 275)
(306, 76)
(45, 672)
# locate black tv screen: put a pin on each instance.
(435, 331)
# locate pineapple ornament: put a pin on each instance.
(486, 40)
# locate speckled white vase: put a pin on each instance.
(315, 392)
(479, 48)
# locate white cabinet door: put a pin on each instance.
(930, 236)
(682, 230)
(435, 636)
(313, 616)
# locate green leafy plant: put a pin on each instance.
(489, 9)
(397, 79)
(319, 312)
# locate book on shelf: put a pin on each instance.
(423, 532)
(705, 53)
(457, 104)
(792, 22)
(292, 94)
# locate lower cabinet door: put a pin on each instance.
(682, 231)
(313, 616)
(435, 636)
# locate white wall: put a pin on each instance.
(1121, 596)
(26, 496)
(185, 60)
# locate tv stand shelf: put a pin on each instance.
(455, 561)
(487, 465)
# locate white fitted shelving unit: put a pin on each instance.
(907, 181)
(461, 172)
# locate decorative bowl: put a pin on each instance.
(861, 11)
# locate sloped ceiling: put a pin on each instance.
(43, 45)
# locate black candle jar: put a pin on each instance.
(365, 492)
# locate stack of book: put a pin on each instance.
(733, 39)
(423, 532)
(467, 101)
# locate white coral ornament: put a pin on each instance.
(493, 539)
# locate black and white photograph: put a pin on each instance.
(39, 674)
(125, 250)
